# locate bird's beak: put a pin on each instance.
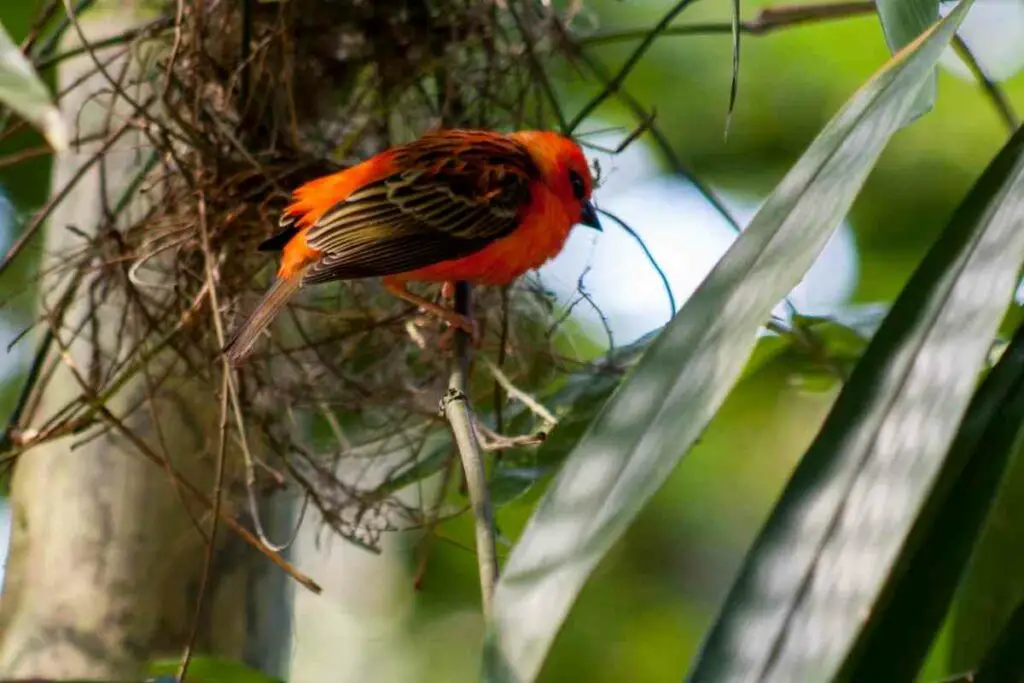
(589, 217)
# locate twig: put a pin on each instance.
(650, 257)
(232, 387)
(515, 392)
(539, 75)
(734, 83)
(769, 20)
(991, 89)
(490, 440)
(616, 82)
(218, 485)
(99, 406)
(430, 529)
(128, 36)
(455, 408)
(499, 400)
(40, 218)
(225, 515)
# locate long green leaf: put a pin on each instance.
(902, 22)
(819, 574)
(1004, 663)
(23, 91)
(903, 630)
(994, 581)
(664, 406)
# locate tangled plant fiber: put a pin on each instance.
(239, 103)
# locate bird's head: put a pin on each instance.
(565, 171)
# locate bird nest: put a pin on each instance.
(237, 103)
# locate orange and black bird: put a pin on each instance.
(471, 205)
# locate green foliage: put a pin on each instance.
(645, 608)
(994, 581)
(1004, 663)
(209, 670)
(835, 542)
(23, 91)
(948, 530)
(903, 21)
(656, 415)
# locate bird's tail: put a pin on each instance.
(245, 336)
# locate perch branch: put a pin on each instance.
(455, 408)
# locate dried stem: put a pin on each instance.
(211, 540)
(515, 392)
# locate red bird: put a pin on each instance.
(469, 205)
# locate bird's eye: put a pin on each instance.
(576, 181)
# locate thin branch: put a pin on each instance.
(995, 94)
(128, 36)
(40, 218)
(98, 404)
(769, 20)
(515, 392)
(225, 515)
(236, 404)
(491, 440)
(455, 408)
(615, 83)
(650, 257)
(734, 82)
(211, 540)
(430, 529)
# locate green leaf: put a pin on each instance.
(994, 581)
(663, 407)
(768, 348)
(211, 670)
(23, 91)
(902, 22)
(825, 566)
(577, 401)
(1004, 663)
(949, 526)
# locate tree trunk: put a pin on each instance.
(105, 559)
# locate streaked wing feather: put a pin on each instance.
(459, 193)
(383, 258)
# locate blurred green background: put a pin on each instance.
(642, 615)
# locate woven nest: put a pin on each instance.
(255, 98)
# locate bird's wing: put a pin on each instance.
(457, 193)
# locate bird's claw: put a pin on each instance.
(461, 323)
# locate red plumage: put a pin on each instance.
(476, 206)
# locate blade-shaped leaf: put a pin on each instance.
(818, 574)
(903, 630)
(902, 22)
(23, 92)
(668, 400)
(994, 581)
(1004, 663)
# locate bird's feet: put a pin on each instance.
(458, 322)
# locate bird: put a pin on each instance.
(478, 206)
